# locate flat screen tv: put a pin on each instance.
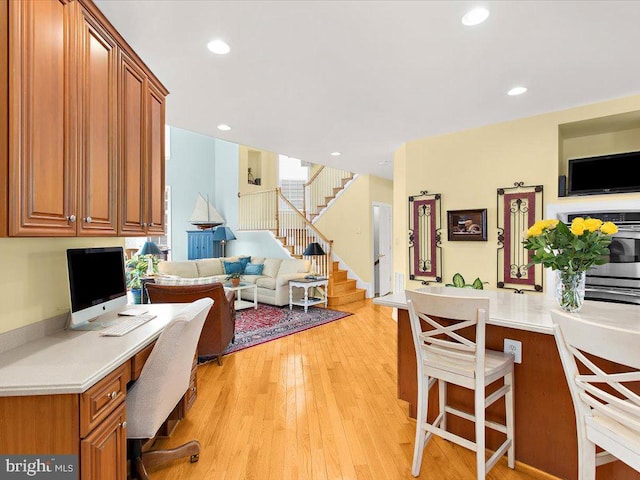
(604, 174)
(97, 283)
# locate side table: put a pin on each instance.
(306, 284)
(240, 304)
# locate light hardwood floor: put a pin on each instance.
(320, 404)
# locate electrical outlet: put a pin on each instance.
(514, 347)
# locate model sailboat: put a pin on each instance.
(204, 214)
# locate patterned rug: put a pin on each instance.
(267, 323)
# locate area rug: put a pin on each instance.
(267, 323)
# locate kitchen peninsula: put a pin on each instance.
(544, 418)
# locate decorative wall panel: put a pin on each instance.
(519, 207)
(425, 224)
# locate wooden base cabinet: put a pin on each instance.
(82, 152)
(91, 425)
(104, 452)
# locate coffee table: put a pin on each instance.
(239, 303)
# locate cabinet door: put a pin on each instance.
(133, 218)
(97, 125)
(42, 164)
(155, 158)
(104, 451)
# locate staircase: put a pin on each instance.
(343, 289)
(271, 210)
(323, 187)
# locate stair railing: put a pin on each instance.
(323, 186)
(271, 210)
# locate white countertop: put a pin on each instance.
(529, 311)
(71, 361)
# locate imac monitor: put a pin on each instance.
(97, 283)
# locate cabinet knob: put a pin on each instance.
(71, 218)
(193, 389)
(123, 424)
(152, 224)
(112, 395)
(143, 224)
(88, 219)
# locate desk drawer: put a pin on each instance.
(103, 398)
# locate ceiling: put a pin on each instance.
(307, 78)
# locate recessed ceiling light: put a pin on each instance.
(218, 46)
(475, 16)
(224, 127)
(335, 154)
(517, 91)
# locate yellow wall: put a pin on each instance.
(33, 284)
(467, 167)
(348, 222)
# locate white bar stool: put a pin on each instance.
(445, 355)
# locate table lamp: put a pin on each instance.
(150, 248)
(313, 250)
(223, 235)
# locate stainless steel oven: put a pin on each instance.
(618, 280)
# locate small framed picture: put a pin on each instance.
(467, 225)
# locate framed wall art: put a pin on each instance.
(425, 251)
(467, 225)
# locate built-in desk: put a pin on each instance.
(544, 418)
(64, 394)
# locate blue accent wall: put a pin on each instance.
(200, 164)
(190, 170)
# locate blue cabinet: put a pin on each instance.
(201, 245)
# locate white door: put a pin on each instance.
(384, 249)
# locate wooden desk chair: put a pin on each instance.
(162, 383)
(445, 355)
(607, 410)
(219, 328)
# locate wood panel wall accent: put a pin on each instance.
(40, 424)
(425, 225)
(518, 208)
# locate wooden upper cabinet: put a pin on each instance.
(155, 160)
(42, 164)
(97, 128)
(81, 125)
(133, 218)
(142, 108)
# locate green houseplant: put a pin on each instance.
(459, 282)
(234, 278)
(136, 268)
(571, 251)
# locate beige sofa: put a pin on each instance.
(272, 284)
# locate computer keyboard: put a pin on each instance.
(122, 327)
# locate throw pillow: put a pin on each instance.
(244, 261)
(178, 281)
(254, 269)
(233, 267)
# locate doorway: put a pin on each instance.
(382, 267)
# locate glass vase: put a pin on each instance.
(570, 290)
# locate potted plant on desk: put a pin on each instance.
(234, 278)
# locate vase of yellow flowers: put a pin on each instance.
(570, 251)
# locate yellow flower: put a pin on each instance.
(535, 230)
(551, 224)
(577, 226)
(592, 224)
(609, 228)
